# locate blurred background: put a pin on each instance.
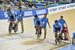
(32, 4)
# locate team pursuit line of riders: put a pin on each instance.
(59, 26)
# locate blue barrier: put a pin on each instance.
(73, 34)
(70, 47)
(27, 13)
(2, 14)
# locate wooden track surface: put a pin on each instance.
(27, 40)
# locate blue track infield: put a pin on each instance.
(69, 47)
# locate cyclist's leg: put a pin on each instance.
(36, 29)
(10, 27)
(17, 22)
(59, 37)
(56, 38)
(38, 32)
(15, 27)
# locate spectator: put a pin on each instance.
(30, 4)
(34, 6)
(24, 7)
(1, 1)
